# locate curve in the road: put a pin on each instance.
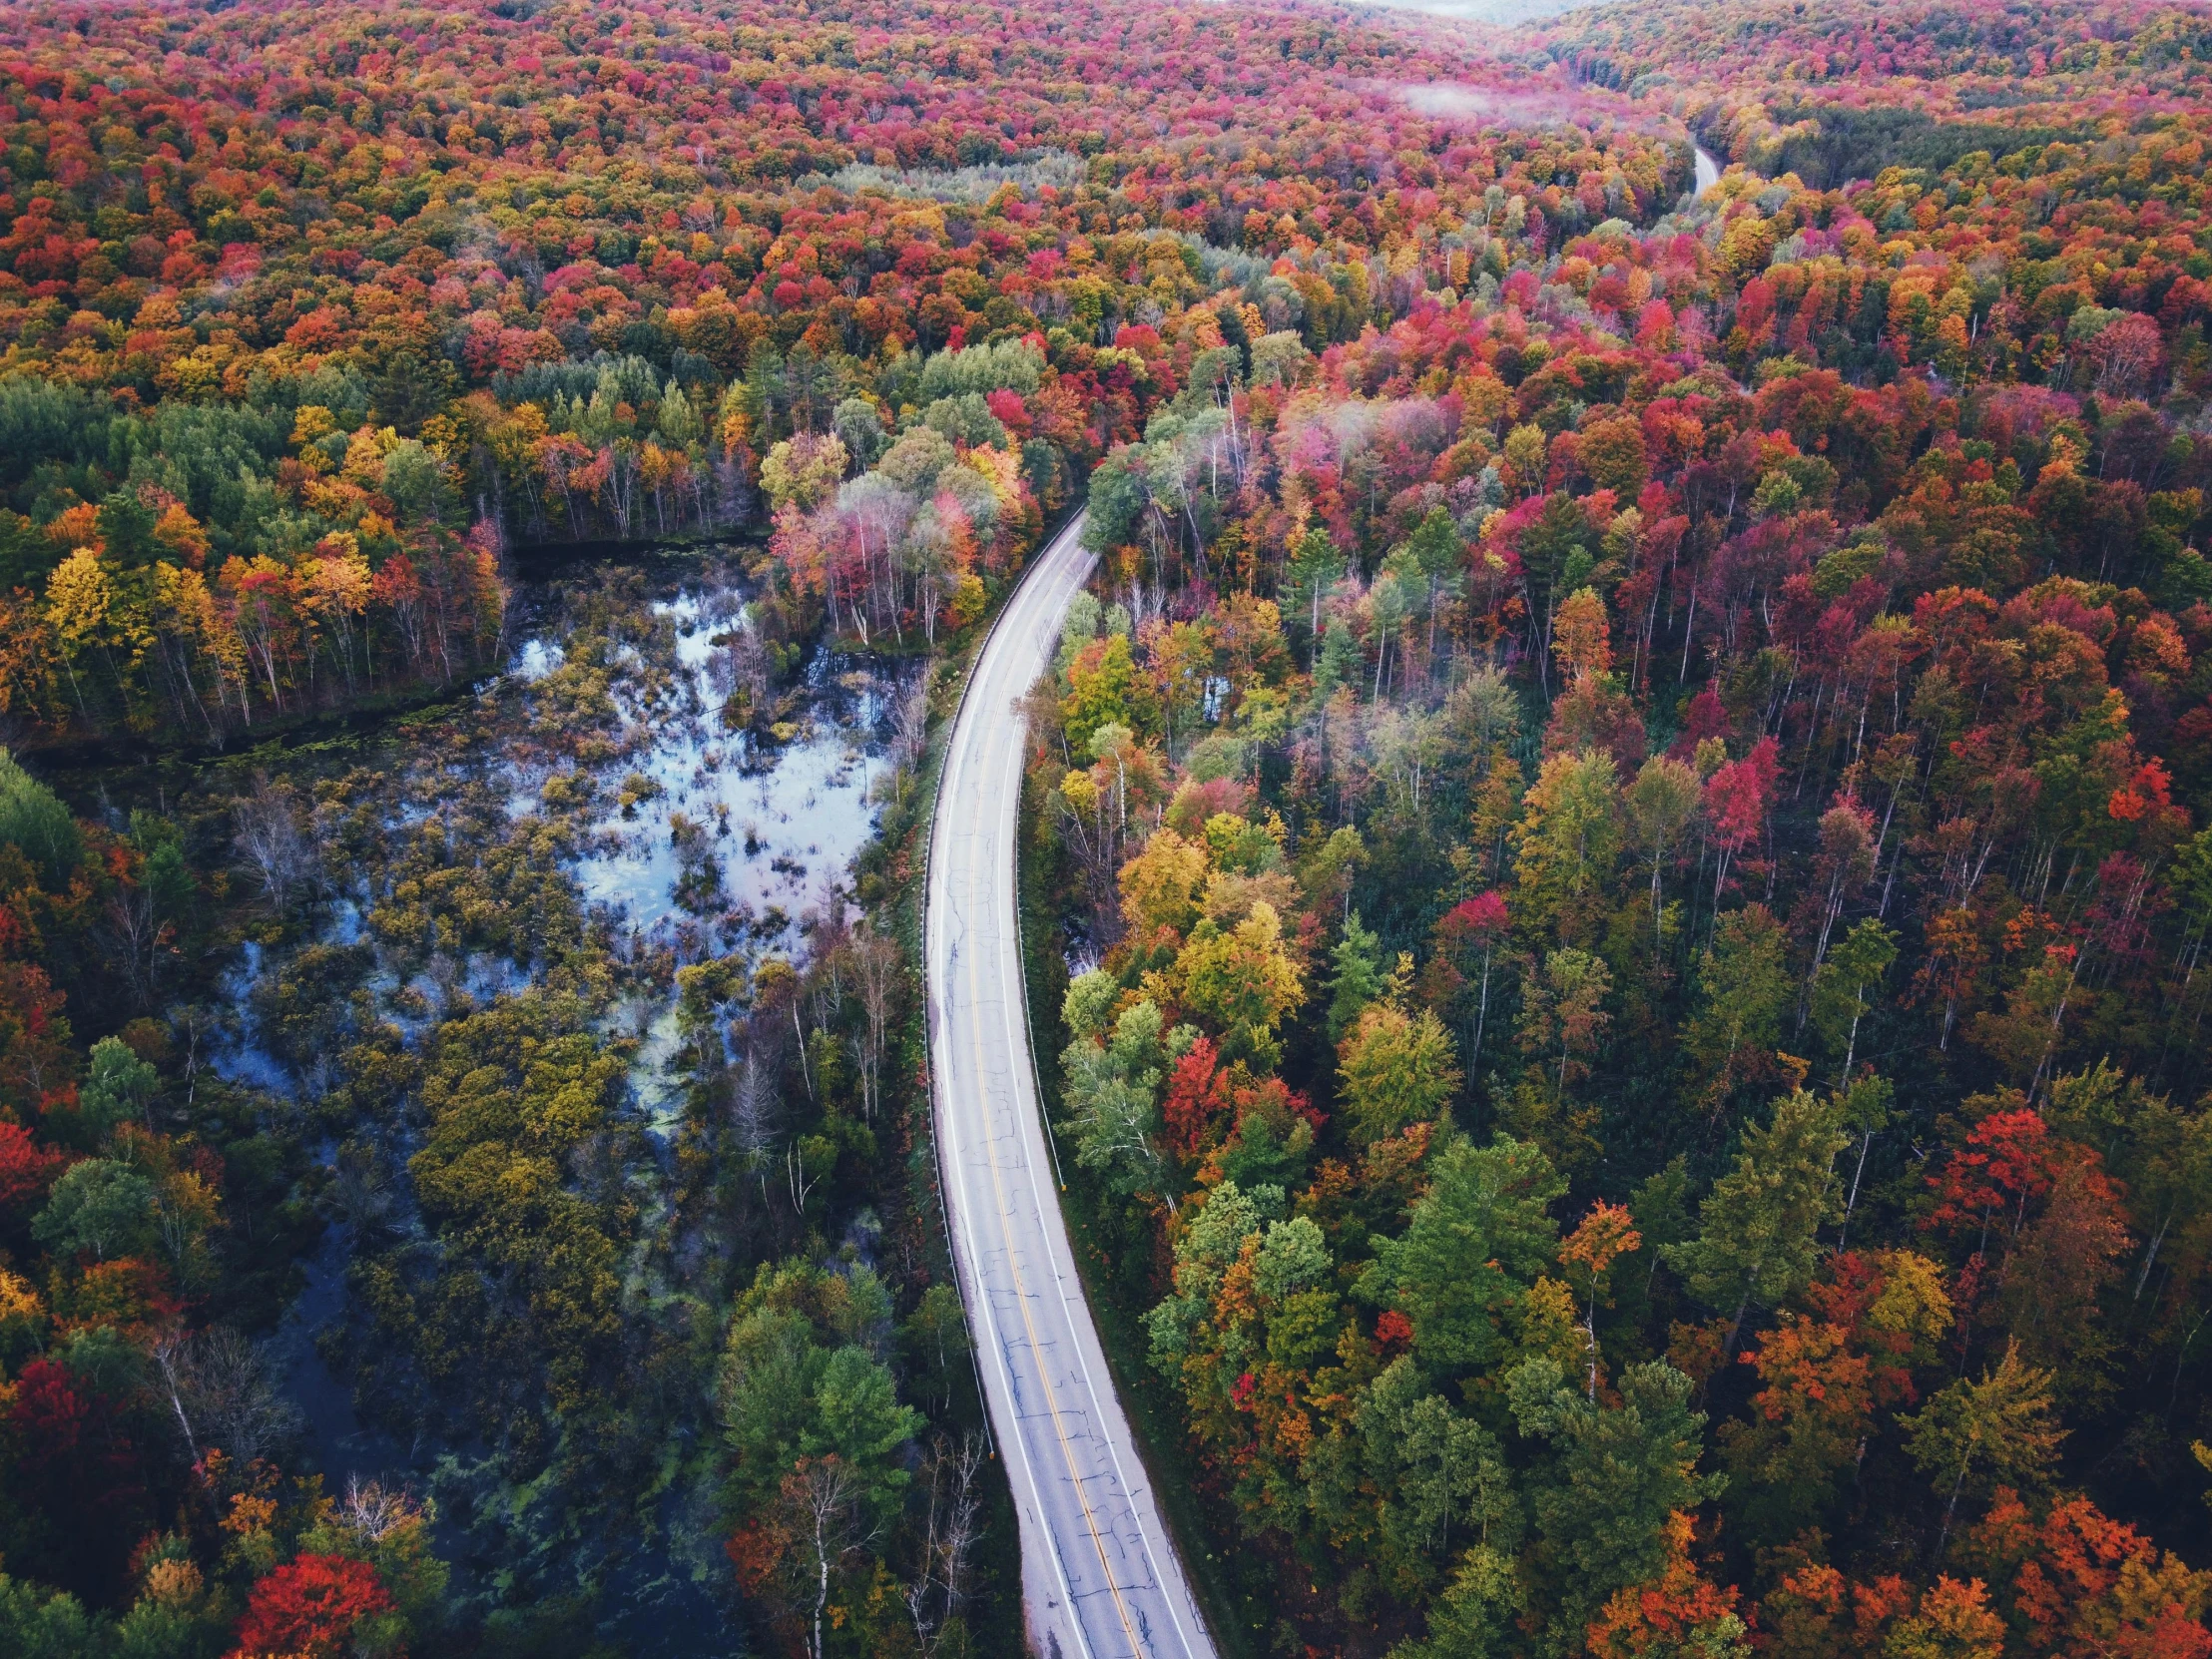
(1100, 1575)
(1708, 169)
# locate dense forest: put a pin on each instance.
(1635, 840)
(1617, 856)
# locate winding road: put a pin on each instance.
(1100, 1576)
(1708, 169)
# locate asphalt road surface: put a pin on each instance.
(1100, 1577)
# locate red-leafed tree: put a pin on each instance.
(27, 1169)
(1737, 798)
(76, 1471)
(311, 1606)
(2077, 1581)
(2007, 1162)
(1197, 1100)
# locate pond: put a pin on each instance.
(684, 836)
(716, 840)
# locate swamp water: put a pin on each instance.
(688, 839)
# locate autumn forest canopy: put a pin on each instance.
(1616, 857)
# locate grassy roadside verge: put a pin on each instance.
(1230, 1585)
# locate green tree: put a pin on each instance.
(1088, 1007)
(802, 1378)
(857, 1417)
(1864, 1106)
(99, 1204)
(27, 554)
(1113, 1092)
(155, 1630)
(416, 482)
(1478, 1614)
(857, 427)
(37, 1625)
(1662, 805)
(1326, 867)
(1390, 607)
(1338, 664)
(937, 1335)
(34, 821)
(1294, 1274)
(1661, 1206)
(164, 870)
(1742, 988)
(1118, 501)
(1356, 978)
(1999, 1431)
(117, 1085)
(1614, 1475)
(1757, 1229)
(1440, 1480)
(678, 419)
(1211, 1240)
(1436, 553)
(1848, 988)
(1435, 545)
(126, 531)
(410, 388)
(1564, 1016)
(1316, 566)
(1554, 553)
(1478, 1238)
(2161, 1153)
